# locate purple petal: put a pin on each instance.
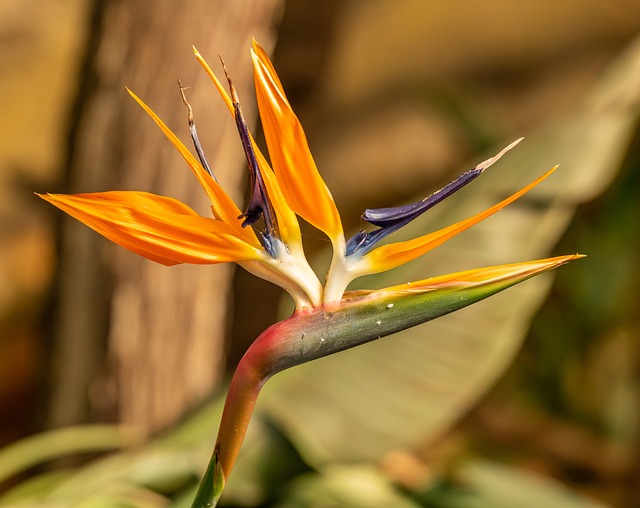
(194, 134)
(393, 218)
(387, 217)
(259, 203)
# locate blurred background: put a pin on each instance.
(531, 398)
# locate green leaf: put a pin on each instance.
(40, 448)
(34, 489)
(360, 486)
(470, 484)
(480, 484)
(171, 462)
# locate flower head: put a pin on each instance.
(170, 232)
(265, 239)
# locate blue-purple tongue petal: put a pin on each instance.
(259, 203)
(400, 215)
(194, 134)
(391, 219)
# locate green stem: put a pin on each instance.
(236, 415)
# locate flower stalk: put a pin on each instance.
(311, 334)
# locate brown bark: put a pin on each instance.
(163, 328)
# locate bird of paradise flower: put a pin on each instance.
(327, 318)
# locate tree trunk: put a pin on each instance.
(135, 341)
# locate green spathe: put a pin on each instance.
(359, 318)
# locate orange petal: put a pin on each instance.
(287, 221)
(295, 169)
(221, 204)
(221, 90)
(470, 278)
(392, 255)
(159, 228)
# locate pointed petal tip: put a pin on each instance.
(550, 172)
(514, 272)
(492, 160)
(555, 262)
(542, 265)
(548, 264)
(133, 94)
(47, 196)
(199, 57)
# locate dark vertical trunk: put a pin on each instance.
(136, 341)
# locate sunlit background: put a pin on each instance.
(529, 399)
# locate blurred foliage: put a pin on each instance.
(573, 392)
(593, 314)
(568, 408)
